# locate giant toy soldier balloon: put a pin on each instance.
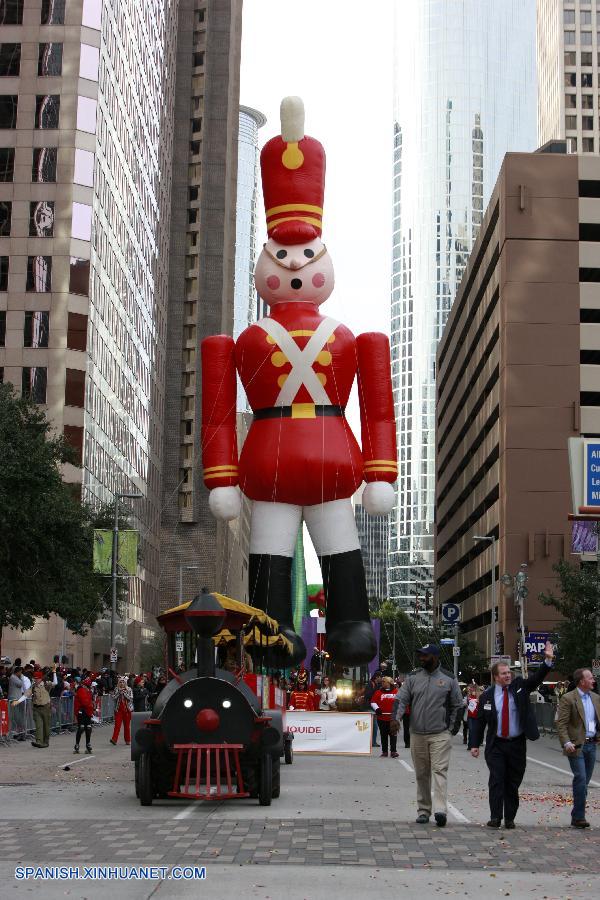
(300, 460)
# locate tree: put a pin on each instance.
(153, 652)
(472, 664)
(577, 603)
(408, 635)
(46, 535)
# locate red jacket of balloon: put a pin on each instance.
(302, 457)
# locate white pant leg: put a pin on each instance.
(332, 527)
(274, 528)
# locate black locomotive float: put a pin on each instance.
(208, 737)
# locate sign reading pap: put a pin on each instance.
(330, 732)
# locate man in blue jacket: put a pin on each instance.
(505, 710)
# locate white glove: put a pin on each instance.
(225, 503)
(378, 498)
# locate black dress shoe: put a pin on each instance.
(422, 819)
(580, 823)
(509, 823)
(441, 819)
(494, 823)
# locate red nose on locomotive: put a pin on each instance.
(207, 737)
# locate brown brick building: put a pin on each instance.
(518, 373)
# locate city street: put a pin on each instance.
(343, 825)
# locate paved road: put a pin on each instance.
(343, 824)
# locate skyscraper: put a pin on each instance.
(465, 93)
(86, 126)
(567, 55)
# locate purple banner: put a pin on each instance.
(584, 539)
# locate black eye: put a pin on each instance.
(281, 254)
(309, 253)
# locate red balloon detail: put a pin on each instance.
(318, 280)
(208, 720)
(273, 282)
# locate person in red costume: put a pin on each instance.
(300, 460)
(83, 710)
(382, 704)
(302, 699)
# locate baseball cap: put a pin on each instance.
(430, 648)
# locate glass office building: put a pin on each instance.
(465, 94)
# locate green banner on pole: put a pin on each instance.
(102, 551)
(128, 552)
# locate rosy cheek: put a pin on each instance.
(318, 280)
(273, 282)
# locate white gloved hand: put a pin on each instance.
(225, 503)
(378, 498)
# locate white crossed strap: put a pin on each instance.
(301, 360)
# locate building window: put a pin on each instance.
(53, 12)
(572, 145)
(586, 58)
(570, 79)
(570, 101)
(43, 166)
(41, 218)
(47, 111)
(569, 37)
(587, 123)
(571, 122)
(92, 13)
(84, 167)
(570, 58)
(89, 61)
(199, 59)
(50, 59)
(79, 276)
(8, 110)
(2, 328)
(11, 12)
(200, 14)
(39, 274)
(569, 17)
(5, 217)
(76, 331)
(75, 388)
(10, 59)
(192, 216)
(86, 114)
(7, 163)
(585, 17)
(587, 79)
(194, 148)
(74, 438)
(586, 38)
(196, 125)
(33, 383)
(587, 145)
(81, 222)
(587, 101)
(4, 273)
(36, 329)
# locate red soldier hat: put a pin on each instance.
(293, 177)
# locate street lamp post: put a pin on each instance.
(115, 557)
(491, 540)
(181, 568)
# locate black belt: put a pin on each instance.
(516, 738)
(299, 411)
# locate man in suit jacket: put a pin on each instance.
(578, 726)
(505, 710)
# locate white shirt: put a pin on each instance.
(514, 729)
(328, 697)
(589, 712)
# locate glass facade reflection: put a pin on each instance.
(129, 230)
(244, 306)
(465, 94)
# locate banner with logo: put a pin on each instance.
(331, 732)
(128, 551)
(4, 723)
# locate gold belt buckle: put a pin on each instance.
(303, 411)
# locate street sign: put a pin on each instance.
(450, 613)
(456, 651)
(447, 642)
(179, 646)
(113, 654)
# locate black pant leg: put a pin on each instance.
(516, 760)
(406, 726)
(496, 763)
(384, 731)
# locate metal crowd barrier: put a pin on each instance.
(20, 717)
(545, 715)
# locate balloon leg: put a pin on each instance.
(350, 637)
(271, 590)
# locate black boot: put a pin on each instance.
(350, 637)
(270, 586)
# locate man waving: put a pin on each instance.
(505, 710)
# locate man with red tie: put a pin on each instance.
(300, 460)
(505, 710)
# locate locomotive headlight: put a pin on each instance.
(226, 704)
(187, 703)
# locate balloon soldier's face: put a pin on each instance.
(301, 272)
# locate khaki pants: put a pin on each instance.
(431, 756)
(41, 719)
